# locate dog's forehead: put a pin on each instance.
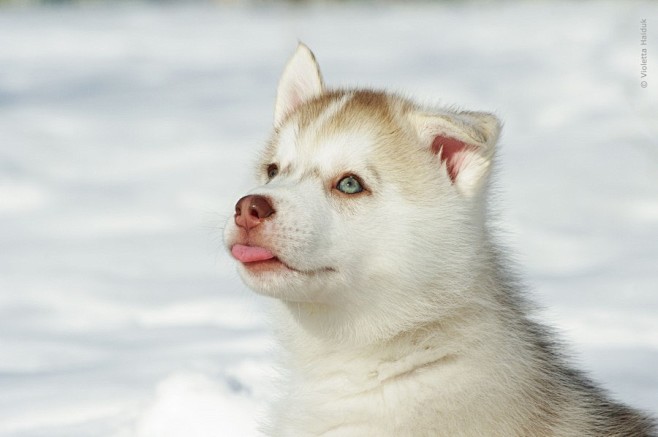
(334, 132)
(325, 152)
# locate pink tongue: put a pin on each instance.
(248, 254)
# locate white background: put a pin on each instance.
(128, 132)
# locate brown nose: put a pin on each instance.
(250, 211)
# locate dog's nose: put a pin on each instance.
(250, 211)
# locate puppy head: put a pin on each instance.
(368, 216)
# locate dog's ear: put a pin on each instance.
(300, 82)
(464, 143)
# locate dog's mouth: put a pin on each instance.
(260, 259)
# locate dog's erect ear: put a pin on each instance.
(300, 82)
(464, 142)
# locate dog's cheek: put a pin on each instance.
(306, 228)
(360, 237)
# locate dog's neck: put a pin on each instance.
(468, 353)
(466, 331)
(429, 345)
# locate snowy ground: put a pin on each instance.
(127, 133)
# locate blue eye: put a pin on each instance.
(349, 185)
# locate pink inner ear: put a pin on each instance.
(452, 152)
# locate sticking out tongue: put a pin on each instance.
(249, 254)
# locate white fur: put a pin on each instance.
(396, 319)
(301, 81)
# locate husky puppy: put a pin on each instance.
(396, 311)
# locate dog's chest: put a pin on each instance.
(383, 400)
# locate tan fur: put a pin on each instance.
(399, 316)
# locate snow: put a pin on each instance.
(128, 131)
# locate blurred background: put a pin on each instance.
(129, 129)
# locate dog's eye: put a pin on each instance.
(349, 185)
(272, 170)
